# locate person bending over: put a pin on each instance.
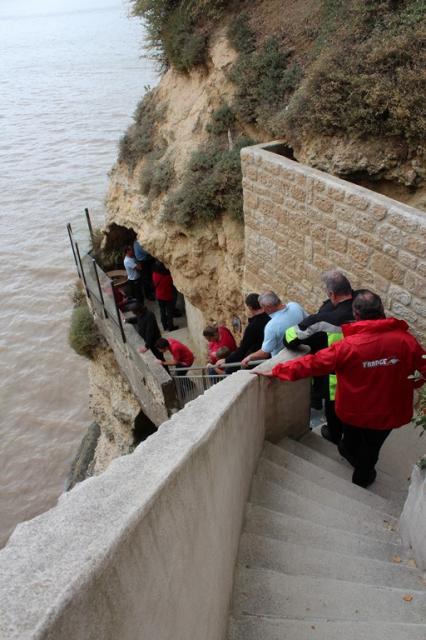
(178, 355)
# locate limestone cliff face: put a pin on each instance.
(114, 408)
(206, 261)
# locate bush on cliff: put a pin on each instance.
(177, 30)
(139, 137)
(369, 78)
(157, 175)
(265, 77)
(83, 335)
(210, 186)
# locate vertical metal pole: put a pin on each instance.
(89, 224)
(82, 270)
(69, 229)
(120, 324)
(100, 288)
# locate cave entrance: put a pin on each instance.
(143, 428)
(110, 255)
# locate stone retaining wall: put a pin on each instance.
(148, 548)
(300, 222)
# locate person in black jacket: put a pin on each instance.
(253, 334)
(320, 330)
(147, 328)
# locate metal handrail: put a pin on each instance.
(231, 365)
(191, 382)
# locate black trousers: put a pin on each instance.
(362, 447)
(334, 423)
(166, 314)
(136, 289)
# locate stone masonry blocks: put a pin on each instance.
(300, 222)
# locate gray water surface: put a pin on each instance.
(71, 75)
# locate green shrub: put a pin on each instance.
(83, 335)
(176, 29)
(264, 81)
(78, 295)
(370, 76)
(139, 137)
(157, 176)
(210, 186)
(184, 47)
(240, 35)
(222, 120)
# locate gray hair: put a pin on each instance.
(335, 282)
(269, 299)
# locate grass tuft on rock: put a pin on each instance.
(83, 335)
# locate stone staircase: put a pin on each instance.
(320, 558)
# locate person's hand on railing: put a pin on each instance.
(245, 362)
(220, 362)
(266, 374)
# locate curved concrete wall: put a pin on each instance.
(147, 550)
(300, 222)
(413, 518)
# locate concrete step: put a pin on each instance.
(261, 628)
(342, 469)
(314, 440)
(260, 592)
(327, 480)
(302, 487)
(282, 526)
(275, 497)
(300, 559)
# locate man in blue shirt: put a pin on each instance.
(282, 317)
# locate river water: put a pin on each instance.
(71, 75)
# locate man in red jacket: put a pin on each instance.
(374, 392)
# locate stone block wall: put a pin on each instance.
(300, 222)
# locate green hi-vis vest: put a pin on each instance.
(332, 378)
(291, 334)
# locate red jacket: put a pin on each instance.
(372, 364)
(226, 339)
(163, 284)
(180, 352)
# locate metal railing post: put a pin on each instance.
(89, 224)
(100, 288)
(69, 229)
(120, 323)
(82, 270)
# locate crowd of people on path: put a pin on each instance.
(361, 362)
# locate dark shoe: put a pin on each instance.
(327, 435)
(345, 454)
(363, 481)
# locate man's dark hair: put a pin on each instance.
(252, 301)
(162, 343)
(368, 305)
(210, 331)
(337, 283)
